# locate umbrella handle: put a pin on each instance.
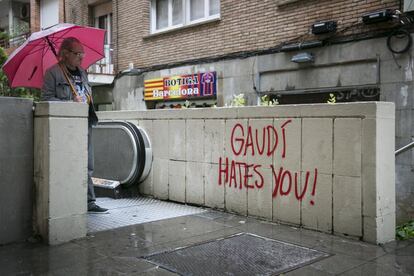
(72, 88)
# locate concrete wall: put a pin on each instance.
(60, 170)
(324, 167)
(16, 169)
(102, 97)
(129, 93)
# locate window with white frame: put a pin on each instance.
(172, 14)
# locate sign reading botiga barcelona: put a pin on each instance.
(181, 87)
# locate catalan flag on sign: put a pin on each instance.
(150, 86)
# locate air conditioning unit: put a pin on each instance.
(24, 11)
(377, 16)
(324, 27)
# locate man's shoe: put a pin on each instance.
(95, 209)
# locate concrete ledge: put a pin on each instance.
(61, 109)
(340, 110)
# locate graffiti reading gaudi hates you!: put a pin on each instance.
(263, 142)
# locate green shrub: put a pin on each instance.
(4, 36)
(266, 101)
(405, 231)
(238, 100)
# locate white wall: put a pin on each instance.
(325, 167)
(49, 13)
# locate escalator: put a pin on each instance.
(122, 152)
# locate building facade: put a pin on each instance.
(14, 23)
(250, 46)
(292, 51)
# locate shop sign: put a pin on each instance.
(181, 87)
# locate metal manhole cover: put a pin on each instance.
(240, 254)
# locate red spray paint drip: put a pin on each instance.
(314, 186)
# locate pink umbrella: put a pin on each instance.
(27, 65)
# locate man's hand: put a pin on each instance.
(78, 99)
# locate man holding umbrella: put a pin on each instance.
(60, 75)
(68, 81)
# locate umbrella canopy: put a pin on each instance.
(27, 65)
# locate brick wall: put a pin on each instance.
(62, 17)
(77, 12)
(244, 26)
(34, 15)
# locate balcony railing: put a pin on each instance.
(105, 65)
(14, 41)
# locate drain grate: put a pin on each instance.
(241, 254)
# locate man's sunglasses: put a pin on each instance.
(78, 54)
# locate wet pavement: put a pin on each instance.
(121, 251)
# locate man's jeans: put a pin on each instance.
(91, 192)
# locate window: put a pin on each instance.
(105, 22)
(102, 15)
(105, 65)
(172, 14)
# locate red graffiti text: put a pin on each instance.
(264, 141)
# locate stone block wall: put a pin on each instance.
(324, 167)
(60, 171)
(16, 169)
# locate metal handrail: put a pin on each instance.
(404, 149)
(14, 41)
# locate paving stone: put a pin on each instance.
(287, 164)
(259, 198)
(194, 143)
(316, 210)
(317, 146)
(194, 183)
(288, 152)
(261, 138)
(159, 139)
(347, 146)
(214, 193)
(214, 140)
(347, 205)
(234, 140)
(176, 139)
(160, 179)
(176, 181)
